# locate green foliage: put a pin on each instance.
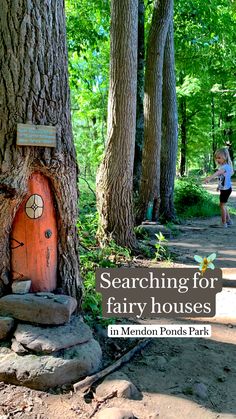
(92, 256)
(172, 227)
(91, 259)
(188, 193)
(192, 200)
(141, 233)
(205, 63)
(88, 44)
(190, 86)
(162, 252)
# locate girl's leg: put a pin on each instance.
(227, 215)
(223, 211)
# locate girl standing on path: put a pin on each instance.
(224, 173)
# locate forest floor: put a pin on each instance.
(178, 378)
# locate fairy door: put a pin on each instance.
(34, 237)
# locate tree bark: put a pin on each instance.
(150, 181)
(115, 176)
(140, 94)
(169, 142)
(34, 89)
(183, 135)
(214, 142)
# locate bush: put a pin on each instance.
(188, 193)
(192, 200)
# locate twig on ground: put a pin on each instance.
(88, 381)
(101, 401)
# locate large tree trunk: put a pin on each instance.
(115, 177)
(150, 180)
(169, 142)
(139, 137)
(34, 89)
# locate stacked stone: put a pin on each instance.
(49, 345)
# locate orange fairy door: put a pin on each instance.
(34, 237)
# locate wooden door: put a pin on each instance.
(34, 237)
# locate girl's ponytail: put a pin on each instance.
(224, 152)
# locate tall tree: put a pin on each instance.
(150, 180)
(115, 176)
(204, 54)
(139, 137)
(34, 89)
(169, 142)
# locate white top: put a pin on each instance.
(225, 179)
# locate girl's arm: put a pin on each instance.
(216, 174)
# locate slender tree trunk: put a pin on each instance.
(115, 177)
(34, 89)
(169, 142)
(150, 181)
(228, 135)
(214, 142)
(183, 135)
(140, 93)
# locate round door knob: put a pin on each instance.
(48, 234)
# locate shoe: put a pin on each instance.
(229, 223)
(225, 225)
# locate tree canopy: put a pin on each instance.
(205, 56)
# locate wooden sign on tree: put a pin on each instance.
(36, 135)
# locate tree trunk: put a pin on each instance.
(140, 93)
(183, 135)
(150, 181)
(214, 142)
(169, 142)
(34, 89)
(115, 177)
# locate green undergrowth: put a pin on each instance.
(162, 252)
(92, 257)
(192, 200)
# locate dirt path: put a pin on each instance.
(178, 378)
(205, 236)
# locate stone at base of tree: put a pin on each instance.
(6, 325)
(114, 413)
(120, 383)
(37, 308)
(21, 287)
(52, 339)
(43, 372)
(18, 348)
(153, 229)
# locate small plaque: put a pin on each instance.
(36, 135)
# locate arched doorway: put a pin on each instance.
(34, 237)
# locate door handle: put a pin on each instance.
(48, 234)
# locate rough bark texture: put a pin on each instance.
(115, 177)
(140, 93)
(169, 142)
(34, 89)
(183, 134)
(150, 181)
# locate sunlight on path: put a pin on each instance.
(203, 236)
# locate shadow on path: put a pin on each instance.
(203, 236)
